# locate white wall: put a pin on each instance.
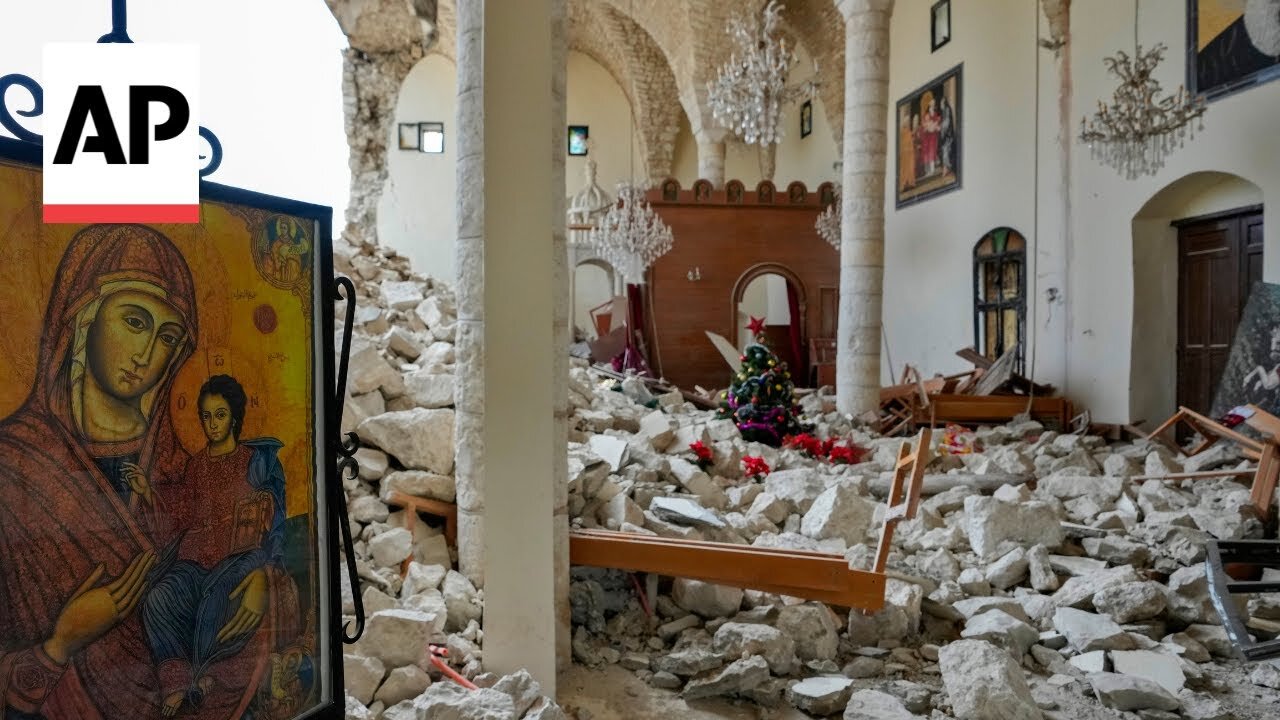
(416, 214)
(928, 287)
(1239, 139)
(1085, 246)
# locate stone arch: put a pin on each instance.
(756, 271)
(1153, 363)
(819, 27)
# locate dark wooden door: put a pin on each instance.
(1219, 260)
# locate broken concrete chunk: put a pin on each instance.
(419, 483)
(705, 599)
(1125, 692)
(821, 696)
(1009, 570)
(730, 680)
(1131, 602)
(1163, 670)
(362, 675)
(839, 512)
(1001, 628)
(1087, 632)
(813, 627)
(740, 639)
(996, 527)
(984, 683)
(420, 439)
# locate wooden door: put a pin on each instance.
(1219, 260)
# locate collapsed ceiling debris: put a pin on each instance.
(1039, 579)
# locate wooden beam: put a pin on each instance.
(1197, 475)
(814, 576)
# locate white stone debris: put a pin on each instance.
(1038, 580)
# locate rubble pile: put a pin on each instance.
(1038, 580)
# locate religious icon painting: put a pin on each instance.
(928, 140)
(1251, 375)
(165, 505)
(1232, 45)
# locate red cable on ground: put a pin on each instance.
(438, 655)
(644, 597)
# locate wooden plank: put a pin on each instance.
(962, 409)
(996, 375)
(817, 576)
(1197, 475)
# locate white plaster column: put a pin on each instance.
(711, 154)
(866, 108)
(561, 329)
(768, 155)
(506, 310)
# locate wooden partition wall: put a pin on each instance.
(726, 238)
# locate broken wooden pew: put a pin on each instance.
(825, 577)
(1264, 450)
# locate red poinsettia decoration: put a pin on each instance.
(702, 453)
(847, 454)
(755, 467)
(807, 444)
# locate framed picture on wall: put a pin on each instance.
(1231, 45)
(806, 118)
(929, 139)
(409, 136)
(940, 24)
(578, 136)
(165, 447)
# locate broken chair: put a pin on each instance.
(1233, 568)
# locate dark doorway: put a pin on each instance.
(1219, 260)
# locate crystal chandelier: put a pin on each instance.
(828, 223)
(1139, 129)
(748, 96)
(631, 236)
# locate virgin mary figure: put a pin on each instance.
(78, 548)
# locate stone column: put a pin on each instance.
(562, 324)
(506, 316)
(768, 155)
(469, 263)
(866, 108)
(711, 152)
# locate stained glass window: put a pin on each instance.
(999, 304)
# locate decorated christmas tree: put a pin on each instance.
(759, 398)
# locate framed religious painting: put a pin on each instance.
(928, 140)
(169, 495)
(1232, 45)
(1251, 375)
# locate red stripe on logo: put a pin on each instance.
(79, 214)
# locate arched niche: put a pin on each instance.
(1153, 367)
(740, 307)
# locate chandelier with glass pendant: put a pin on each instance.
(631, 236)
(748, 95)
(1140, 128)
(828, 223)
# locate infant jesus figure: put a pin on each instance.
(228, 518)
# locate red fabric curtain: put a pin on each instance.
(631, 358)
(797, 332)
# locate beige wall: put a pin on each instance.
(597, 101)
(808, 159)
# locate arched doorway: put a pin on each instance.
(594, 286)
(1197, 250)
(775, 293)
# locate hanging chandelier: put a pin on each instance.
(1140, 128)
(631, 236)
(748, 95)
(828, 223)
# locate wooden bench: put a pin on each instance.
(825, 577)
(1054, 412)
